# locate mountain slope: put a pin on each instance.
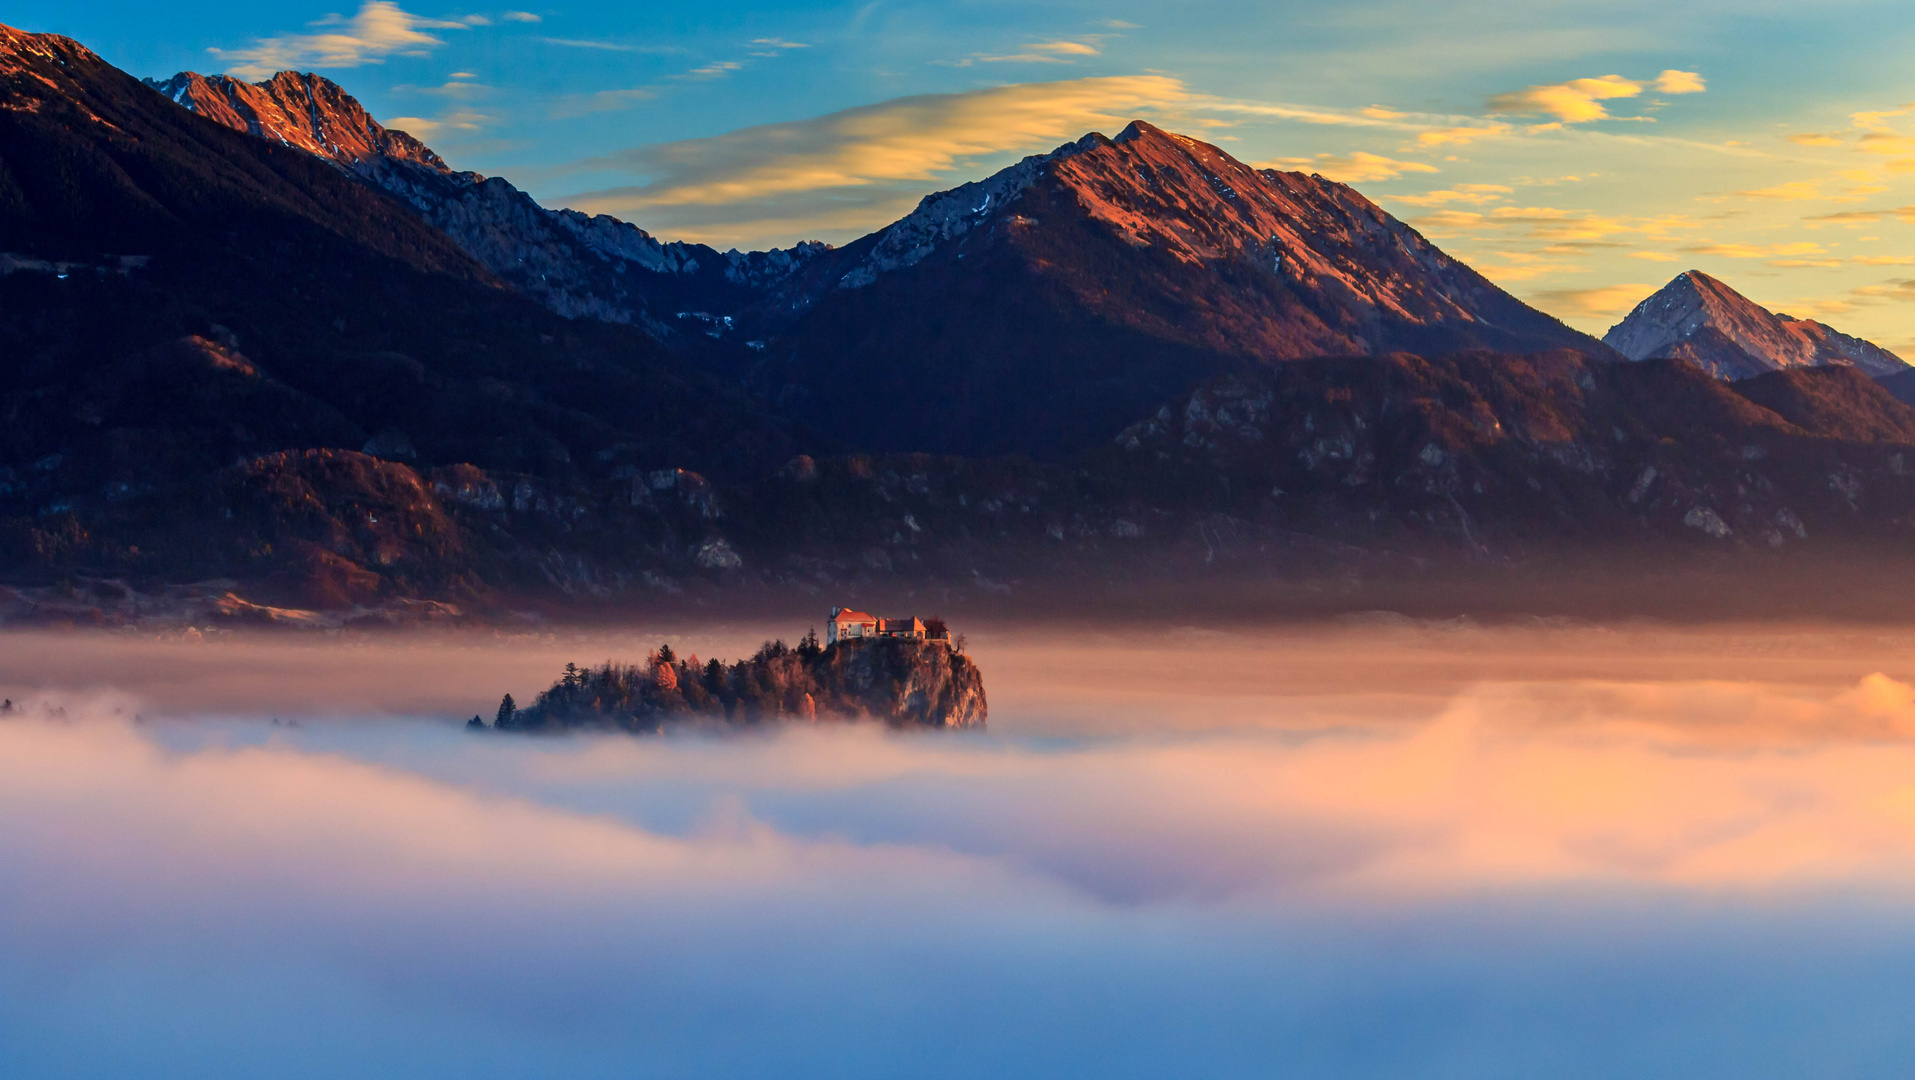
(1041, 309)
(1698, 318)
(180, 300)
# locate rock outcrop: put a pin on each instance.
(306, 111)
(900, 682)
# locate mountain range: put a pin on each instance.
(1100, 278)
(267, 356)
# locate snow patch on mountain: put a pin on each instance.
(952, 213)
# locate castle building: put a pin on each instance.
(846, 624)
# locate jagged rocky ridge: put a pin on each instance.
(1699, 319)
(904, 683)
(579, 265)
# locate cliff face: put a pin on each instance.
(901, 683)
(905, 683)
(302, 110)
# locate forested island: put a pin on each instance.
(904, 682)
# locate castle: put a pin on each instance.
(848, 625)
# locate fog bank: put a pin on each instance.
(1362, 851)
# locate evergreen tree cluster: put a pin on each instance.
(874, 678)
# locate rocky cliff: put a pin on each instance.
(301, 110)
(904, 683)
(1699, 319)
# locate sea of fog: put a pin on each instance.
(1368, 849)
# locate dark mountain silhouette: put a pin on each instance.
(182, 301)
(1836, 400)
(1730, 336)
(1536, 452)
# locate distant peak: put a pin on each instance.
(15, 42)
(1709, 289)
(1139, 129)
(1701, 319)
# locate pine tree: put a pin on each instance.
(666, 655)
(508, 713)
(808, 648)
(475, 724)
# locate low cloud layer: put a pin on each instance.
(1379, 853)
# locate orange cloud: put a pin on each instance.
(1599, 302)
(1679, 82)
(1758, 251)
(1468, 194)
(1459, 135)
(906, 139)
(1574, 102)
(1792, 191)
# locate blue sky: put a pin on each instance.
(1578, 153)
